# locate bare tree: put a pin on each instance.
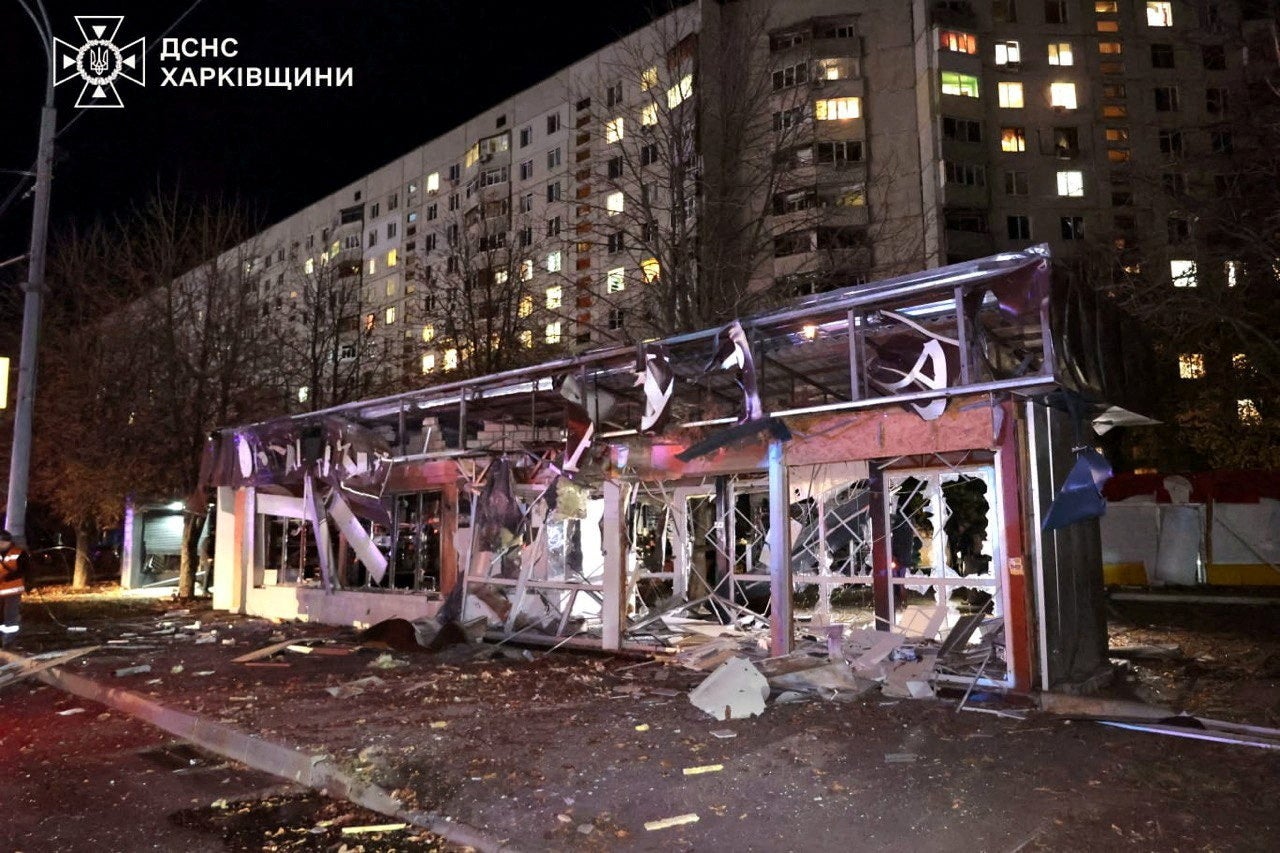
(718, 186)
(1202, 276)
(477, 309)
(159, 342)
(324, 347)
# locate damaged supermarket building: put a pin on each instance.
(909, 456)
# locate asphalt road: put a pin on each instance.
(96, 780)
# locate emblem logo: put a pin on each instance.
(99, 62)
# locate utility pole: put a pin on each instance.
(33, 304)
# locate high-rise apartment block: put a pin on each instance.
(773, 149)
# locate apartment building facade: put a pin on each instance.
(800, 146)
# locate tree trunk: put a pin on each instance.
(84, 563)
(189, 563)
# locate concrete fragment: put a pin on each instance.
(736, 690)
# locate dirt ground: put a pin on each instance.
(568, 751)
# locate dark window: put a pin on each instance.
(1018, 227)
(553, 123)
(1214, 56)
(1073, 228)
(584, 104)
(1055, 11)
(1166, 98)
(845, 151)
(1015, 183)
(615, 168)
(1220, 141)
(1171, 142)
(1121, 198)
(617, 242)
(1161, 56)
(1179, 229)
(1005, 11)
(1215, 101)
(961, 129)
(649, 154)
(1174, 183)
(526, 136)
(973, 221)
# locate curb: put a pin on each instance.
(313, 771)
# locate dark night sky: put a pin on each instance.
(420, 68)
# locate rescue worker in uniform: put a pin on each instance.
(14, 564)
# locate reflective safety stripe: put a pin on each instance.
(15, 590)
(8, 629)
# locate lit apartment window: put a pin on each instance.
(526, 339)
(1115, 111)
(428, 362)
(1105, 7)
(555, 296)
(526, 269)
(501, 276)
(551, 334)
(834, 109)
(1062, 95)
(615, 280)
(526, 306)
(1010, 95)
(1191, 365)
(614, 203)
(958, 42)
(1008, 53)
(1108, 26)
(304, 394)
(955, 83)
(553, 261)
(614, 129)
(428, 333)
(373, 266)
(1071, 184)
(1247, 411)
(648, 78)
(309, 266)
(1110, 48)
(650, 270)
(680, 92)
(433, 182)
(1240, 363)
(390, 316)
(1231, 270)
(1159, 14)
(451, 359)
(1183, 273)
(370, 320)
(649, 115)
(1060, 53)
(393, 257)
(1013, 139)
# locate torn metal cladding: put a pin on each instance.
(726, 471)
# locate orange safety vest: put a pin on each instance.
(13, 566)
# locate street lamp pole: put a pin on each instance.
(33, 304)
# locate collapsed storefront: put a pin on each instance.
(877, 457)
